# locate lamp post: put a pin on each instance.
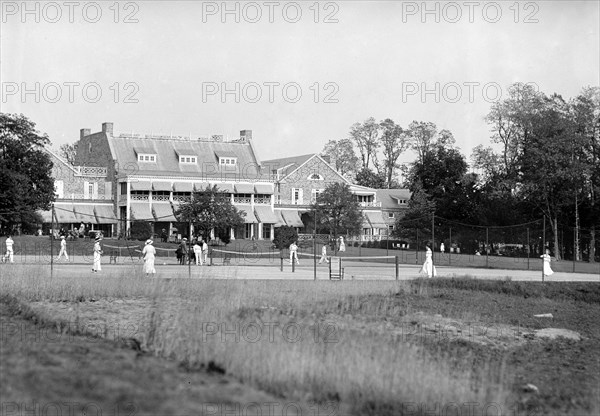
(315, 243)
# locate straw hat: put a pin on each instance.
(149, 242)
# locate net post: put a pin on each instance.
(543, 245)
(189, 257)
(281, 258)
(397, 268)
(487, 243)
(528, 248)
(293, 266)
(574, 245)
(450, 249)
(52, 244)
(330, 260)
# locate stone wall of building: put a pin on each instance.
(300, 179)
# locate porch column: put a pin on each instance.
(128, 208)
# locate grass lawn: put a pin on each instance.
(356, 347)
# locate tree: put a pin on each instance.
(209, 210)
(341, 155)
(68, 152)
(25, 171)
(422, 138)
(366, 177)
(284, 236)
(365, 135)
(337, 211)
(416, 223)
(393, 143)
(140, 230)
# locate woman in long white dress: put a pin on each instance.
(96, 266)
(547, 259)
(428, 267)
(342, 245)
(149, 253)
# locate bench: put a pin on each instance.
(113, 257)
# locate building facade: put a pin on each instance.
(122, 178)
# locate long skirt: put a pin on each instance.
(97, 258)
(547, 270)
(149, 266)
(428, 268)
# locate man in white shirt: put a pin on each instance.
(205, 252)
(9, 250)
(63, 248)
(294, 252)
(324, 254)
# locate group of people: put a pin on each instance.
(294, 251)
(199, 251)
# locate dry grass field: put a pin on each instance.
(443, 346)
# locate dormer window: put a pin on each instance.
(145, 157)
(228, 161)
(188, 159)
(315, 177)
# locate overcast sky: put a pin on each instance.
(166, 64)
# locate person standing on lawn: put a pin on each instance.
(324, 254)
(546, 266)
(149, 253)
(198, 252)
(294, 252)
(204, 252)
(97, 266)
(428, 267)
(63, 248)
(9, 256)
(183, 251)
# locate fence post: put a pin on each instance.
(281, 258)
(432, 235)
(574, 237)
(417, 249)
(487, 244)
(528, 248)
(52, 244)
(330, 260)
(189, 257)
(293, 265)
(543, 245)
(450, 249)
(397, 268)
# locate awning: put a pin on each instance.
(46, 216)
(64, 214)
(263, 188)
(280, 221)
(141, 211)
(376, 219)
(362, 190)
(183, 187)
(161, 186)
(163, 212)
(244, 188)
(292, 218)
(265, 214)
(201, 186)
(249, 218)
(105, 214)
(224, 187)
(85, 213)
(141, 186)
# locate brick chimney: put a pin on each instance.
(84, 132)
(107, 128)
(246, 135)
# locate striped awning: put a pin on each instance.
(249, 218)
(137, 185)
(292, 218)
(280, 221)
(183, 187)
(375, 219)
(141, 211)
(163, 212)
(201, 186)
(244, 188)
(265, 214)
(64, 213)
(263, 188)
(224, 187)
(105, 214)
(85, 213)
(161, 186)
(46, 216)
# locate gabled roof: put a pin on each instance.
(59, 159)
(287, 165)
(125, 148)
(389, 197)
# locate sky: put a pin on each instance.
(295, 73)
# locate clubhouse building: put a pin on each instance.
(117, 179)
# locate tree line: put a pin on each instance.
(543, 161)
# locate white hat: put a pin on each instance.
(149, 241)
(62, 236)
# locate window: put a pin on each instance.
(390, 215)
(228, 161)
(123, 188)
(188, 159)
(146, 158)
(297, 196)
(315, 194)
(266, 231)
(315, 177)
